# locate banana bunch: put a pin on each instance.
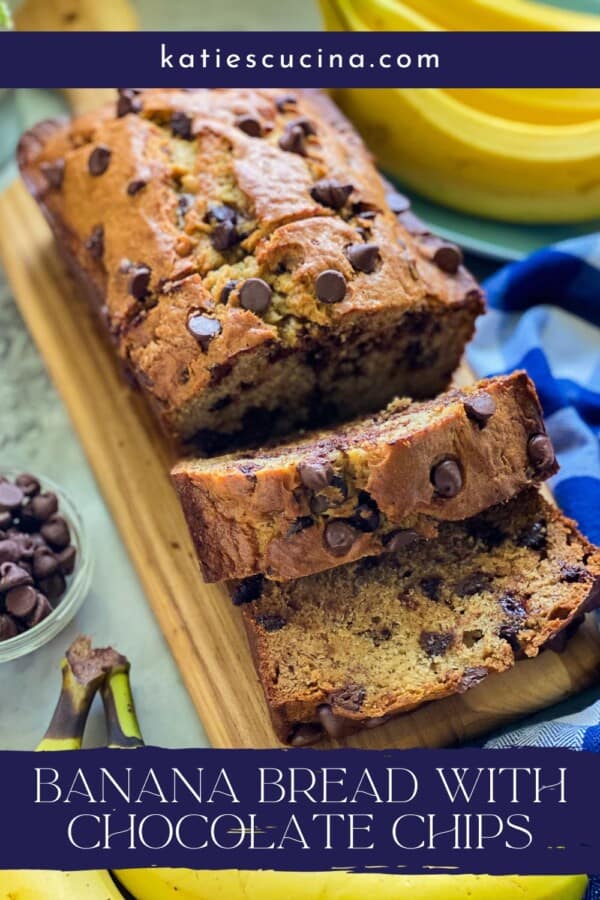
(518, 155)
(86, 671)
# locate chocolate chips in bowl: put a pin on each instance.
(45, 563)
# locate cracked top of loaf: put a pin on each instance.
(213, 221)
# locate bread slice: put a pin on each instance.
(240, 250)
(350, 647)
(374, 485)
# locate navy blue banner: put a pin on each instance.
(299, 59)
(529, 811)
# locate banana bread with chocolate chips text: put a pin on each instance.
(240, 248)
(350, 647)
(370, 487)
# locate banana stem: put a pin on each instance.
(122, 724)
(83, 671)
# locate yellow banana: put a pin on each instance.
(503, 15)
(184, 884)
(544, 105)
(193, 884)
(83, 672)
(476, 162)
(39, 885)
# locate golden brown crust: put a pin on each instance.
(253, 513)
(350, 647)
(149, 182)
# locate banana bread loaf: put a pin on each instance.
(352, 646)
(241, 250)
(371, 486)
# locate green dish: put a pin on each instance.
(496, 240)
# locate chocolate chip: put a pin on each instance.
(21, 601)
(431, 587)
(56, 532)
(139, 281)
(480, 408)
(128, 102)
(271, 622)
(66, 560)
(448, 258)
(315, 475)
(53, 587)
(42, 611)
(300, 524)
(350, 697)
(11, 496)
(339, 537)
(135, 186)
(330, 286)
(306, 124)
(255, 295)
(42, 506)
(513, 606)
(53, 172)
(534, 536)
(8, 627)
(12, 576)
(516, 613)
(226, 290)
(9, 551)
(572, 573)
(540, 451)
(95, 242)
(363, 257)
(333, 495)
(45, 563)
(337, 727)
(26, 544)
(249, 125)
(446, 477)
(285, 100)
(473, 583)
(248, 590)
(293, 140)
(181, 126)
(399, 540)
(366, 516)
(224, 235)
(471, 677)
(481, 530)
(221, 213)
(436, 643)
(99, 160)
(331, 193)
(305, 733)
(203, 328)
(28, 484)
(397, 202)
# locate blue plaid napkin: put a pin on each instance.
(544, 316)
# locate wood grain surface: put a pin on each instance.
(131, 463)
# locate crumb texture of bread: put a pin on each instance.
(350, 647)
(244, 255)
(366, 488)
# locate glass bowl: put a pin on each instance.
(78, 584)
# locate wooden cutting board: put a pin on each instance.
(131, 462)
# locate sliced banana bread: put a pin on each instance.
(352, 646)
(372, 486)
(240, 248)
